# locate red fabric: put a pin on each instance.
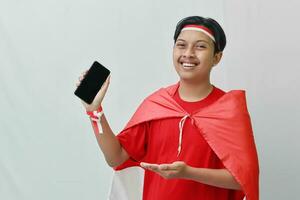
(92, 116)
(91, 113)
(221, 136)
(201, 27)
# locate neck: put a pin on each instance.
(192, 92)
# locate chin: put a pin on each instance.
(191, 77)
(187, 77)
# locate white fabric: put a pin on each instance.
(127, 184)
(200, 30)
(97, 118)
(181, 124)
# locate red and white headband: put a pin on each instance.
(200, 28)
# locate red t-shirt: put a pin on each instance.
(157, 142)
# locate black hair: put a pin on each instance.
(211, 24)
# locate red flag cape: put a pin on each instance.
(225, 125)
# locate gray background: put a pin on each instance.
(47, 147)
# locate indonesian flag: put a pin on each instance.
(225, 125)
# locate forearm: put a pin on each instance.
(214, 177)
(109, 144)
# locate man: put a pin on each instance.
(193, 139)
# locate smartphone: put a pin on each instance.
(92, 82)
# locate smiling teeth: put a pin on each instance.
(188, 64)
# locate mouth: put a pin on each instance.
(188, 65)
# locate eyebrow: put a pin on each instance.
(196, 41)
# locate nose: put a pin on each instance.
(189, 52)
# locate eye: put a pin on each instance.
(201, 46)
(180, 45)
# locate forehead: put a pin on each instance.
(194, 36)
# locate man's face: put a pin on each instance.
(193, 56)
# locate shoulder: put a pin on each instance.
(219, 89)
(218, 92)
(169, 90)
(234, 91)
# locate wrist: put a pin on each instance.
(91, 111)
(96, 114)
(92, 107)
(95, 117)
(188, 172)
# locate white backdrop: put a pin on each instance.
(47, 147)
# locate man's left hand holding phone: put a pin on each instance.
(92, 86)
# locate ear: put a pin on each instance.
(217, 58)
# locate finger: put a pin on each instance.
(105, 85)
(84, 72)
(144, 164)
(78, 83)
(81, 76)
(178, 164)
(146, 167)
(153, 167)
(166, 167)
(107, 81)
(169, 174)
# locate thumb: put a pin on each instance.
(101, 93)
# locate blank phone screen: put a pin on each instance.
(92, 82)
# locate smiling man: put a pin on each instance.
(193, 139)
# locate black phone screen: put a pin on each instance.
(92, 82)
